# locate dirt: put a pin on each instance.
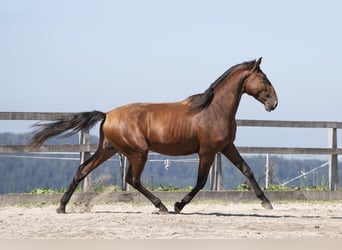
(198, 220)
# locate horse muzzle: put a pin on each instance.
(271, 104)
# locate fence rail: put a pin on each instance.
(84, 148)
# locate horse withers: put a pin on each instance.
(203, 123)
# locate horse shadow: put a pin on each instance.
(259, 215)
(220, 214)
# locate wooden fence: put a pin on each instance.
(85, 148)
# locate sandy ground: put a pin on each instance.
(198, 220)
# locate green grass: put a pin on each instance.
(47, 191)
(242, 187)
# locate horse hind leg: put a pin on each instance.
(103, 153)
(136, 166)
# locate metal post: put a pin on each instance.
(213, 178)
(216, 174)
(84, 139)
(267, 170)
(219, 183)
(333, 160)
(124, 165)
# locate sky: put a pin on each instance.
(74, 56)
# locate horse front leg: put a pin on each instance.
(234, 156)
(203, 171)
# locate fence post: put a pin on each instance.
(216, 174)
(84, 139)
(267, 171)
(124, 165)
(213, 176)
(333, 160)
(218, 159)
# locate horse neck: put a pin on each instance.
(227, 98)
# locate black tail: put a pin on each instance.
(72, 123)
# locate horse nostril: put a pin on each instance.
(270, 105)
(275, 104)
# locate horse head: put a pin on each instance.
(258, 86)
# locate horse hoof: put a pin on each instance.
(178, 207)
(60, 210)
(267, 205)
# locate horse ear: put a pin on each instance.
(257, 64)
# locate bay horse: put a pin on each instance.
(203, 123)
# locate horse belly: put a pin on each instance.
(174, 149)
(173, 138)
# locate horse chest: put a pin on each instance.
(216, 136)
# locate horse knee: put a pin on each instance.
(247, 171)
(135, 182)
(201, 183)
(80, 175)
(249, 174)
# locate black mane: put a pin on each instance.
(198, 102)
